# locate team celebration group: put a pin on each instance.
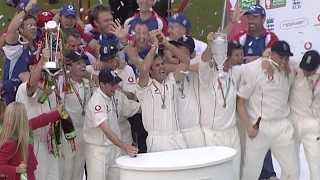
(147, 86)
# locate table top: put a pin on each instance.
(178, 160)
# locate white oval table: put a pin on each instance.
(207, 163)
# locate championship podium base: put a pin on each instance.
(207, 163)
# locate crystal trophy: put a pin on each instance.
(219, 51)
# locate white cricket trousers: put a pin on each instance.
(194, 137)
(71, 164)
(243, 135)
(101, 162)
(228, 138)
(307, 132)
(157, 142)
(48, 165)
(277, 135)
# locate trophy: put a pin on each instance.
(54, 43)
(219, 51)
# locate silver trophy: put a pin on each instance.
(54, 43)
(219, 51)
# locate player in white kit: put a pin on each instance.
(304, 102)
(110, 59)
(218, 104)
(188, 102)
(71, 163)
(101, 129)
(266, 96)
(29, 93)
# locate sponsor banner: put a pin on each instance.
(295, 21)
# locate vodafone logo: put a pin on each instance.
(308, 46)
(296, 23)
(97, 107)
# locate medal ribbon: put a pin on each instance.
(182, 86)
(163, 98)
(224, 96)
(314, 86)
(78, 95)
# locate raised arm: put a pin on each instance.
(12, 34)
(37, 71)
(122, 35)
(184, 59)
(147, 63)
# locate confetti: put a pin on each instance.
(100, 1)
(118, 8)
(3, 24)
(209, 26)
(201, 33)
(172, 1)
(215, 13)
(122, 4)
(81, 10)
(86, 18)
(1, 16)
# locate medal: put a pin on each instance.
(83, 113)
(163, 98)
(224, 96)
(183, 96)
(79, 98)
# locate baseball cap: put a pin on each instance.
(186, 41)
(108, 52)
(181, 19)
(23, 3)
(108, 75)
(310, 61)
(282, 48)
(74, 56)
(44, 17)
(256, 10)
(68, 10)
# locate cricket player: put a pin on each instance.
(72, 162)
(29, 93)
(101, 129)
(188, 102)
(218, 104)
(263, 96)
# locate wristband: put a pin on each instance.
(125, 43)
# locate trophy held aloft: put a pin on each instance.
(53, 41)
(219, 51)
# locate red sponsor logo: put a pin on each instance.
(308, 46)
(130, 79)
(97, 108)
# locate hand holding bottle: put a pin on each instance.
(21, 168)
(131, 150)
(60, 106)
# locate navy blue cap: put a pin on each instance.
(282, 48)
(186, 41)
(181, 19)
(74, 56)
(110, 76)
(23, 3)
(310, 61)
(256, 10)
(108, 52)
(68, 10)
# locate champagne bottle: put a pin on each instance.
(23, 176)
(44, 96)
(256, 126)
(67, 125)
(135, 141)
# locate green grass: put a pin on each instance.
(205, 14)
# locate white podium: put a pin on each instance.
(207, 163)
